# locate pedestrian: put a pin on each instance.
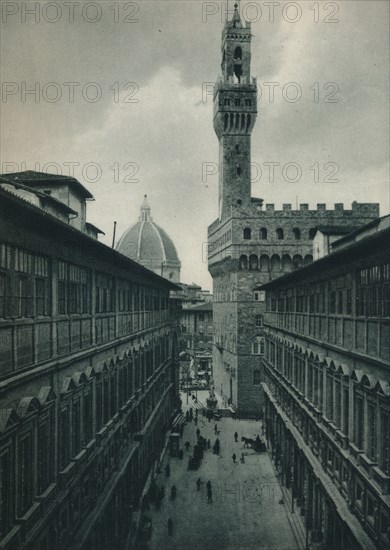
(235, 436)
(187, 445)
(197, 432)
(170, 527)
(208, 485)
(242, 458)
(198, 483)
(196, 420)
(173, 492)
(208, 444)
(167, 470)
(216, 429)
(234, 458)
(181, 454)
(209, 496)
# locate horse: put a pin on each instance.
(248, 441)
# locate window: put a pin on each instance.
(263, 234)
(371, 432)
(238, 53)
(259, 296)
(248, 102)
(280, 234)
(258, 346)
(239, 172)
(25, 481)
(385, 442)
(5, 492)
(243, 262)
(247, 233)
(237, 102)
(297, 234)
(227, 101)
(256, 378)
(332, 302)
(359, 422)
(340, 302)
(259, 320)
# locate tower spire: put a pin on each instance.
(145, 211)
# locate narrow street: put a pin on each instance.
(246, 512)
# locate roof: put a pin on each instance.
(147, 242)
(38, 179)
(377, 243)
(335, 229)
(139, 272)
(94, 228)
(44, 196)
(206, 306)
(361, 229)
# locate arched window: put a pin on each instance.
(259, 320)
(247, 233)
(248, 102)
(258, 346)
(279, 233)
(227, 101)
(312, 232)
(263, 234)
(253, 262)
(256, 378)
(243, 262)
(297, 234)
(264, 262)
(237, 102)
(238, 53)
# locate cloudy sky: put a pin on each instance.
(121, 99)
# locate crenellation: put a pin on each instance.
(286, 207)
(339, 207)
(321, 207)
(270, 207)
(303, 207)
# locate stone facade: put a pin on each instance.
(89, 383)
(251, 244)
(327, 393)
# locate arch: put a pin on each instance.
(279, 234)
(28, 405)
(297, 233)
(237, 102)
(357, 375)
(231, 121)
(308, 259)
(247, 233)
(8, 418)
(237, 124)
(253, 262)
(264, 262)
(287, 264)
(238, 53)
(383, 387)
(297, 261)
(242, 121)
(275, 263)
(67, 385)
(79, 378)
(263, 233)
(46, 395)
(367, 380)
(243, 262)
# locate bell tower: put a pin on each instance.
(235, 111)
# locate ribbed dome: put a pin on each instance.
(147, 243)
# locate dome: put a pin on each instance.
(147, 243)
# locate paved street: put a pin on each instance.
(246, 512)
